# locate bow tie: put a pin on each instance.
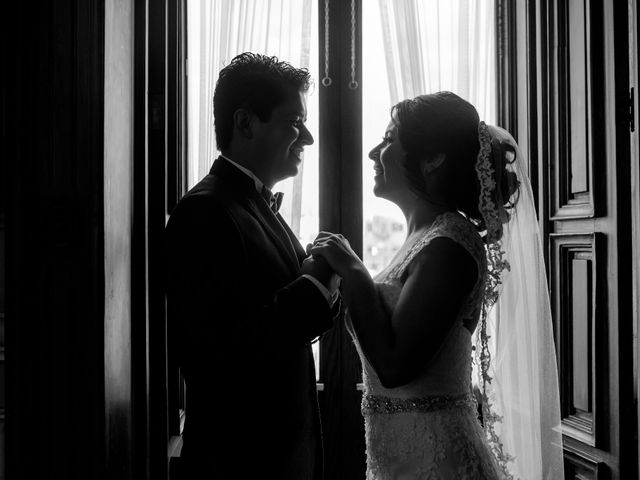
(274, 200)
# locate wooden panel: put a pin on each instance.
(575, 270)
(577, 99)
(573, 185)
(578, 466)
(573, 93)
(118, 218)
(581, 332)
(634, 81)
(154, 211)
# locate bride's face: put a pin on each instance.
(388, 157)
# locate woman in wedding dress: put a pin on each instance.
(440, 302)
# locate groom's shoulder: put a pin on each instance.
(211, 204)
(211, 194)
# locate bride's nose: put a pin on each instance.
(374, 154)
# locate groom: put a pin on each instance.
(244, 301)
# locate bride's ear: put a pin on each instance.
(242, 122)
(432, 163)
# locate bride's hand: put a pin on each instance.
(336, 250)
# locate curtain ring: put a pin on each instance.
(326, 81)
(353, 85)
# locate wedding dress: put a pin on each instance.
(429, 428)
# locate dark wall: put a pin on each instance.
(53, 142)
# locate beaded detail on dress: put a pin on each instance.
(380, 404)
(428, 429)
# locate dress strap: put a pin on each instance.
(450, 225)
(454, 226)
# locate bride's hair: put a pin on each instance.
(444, 123)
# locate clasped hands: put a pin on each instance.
(330, 259)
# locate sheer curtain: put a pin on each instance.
(217, 31)
(412, 47)
(438, 45)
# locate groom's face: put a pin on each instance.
(280, 141)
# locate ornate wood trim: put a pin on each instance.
(580, 464)
(577, 77)
(579, 322)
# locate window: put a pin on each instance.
(452, 48)
(216, 32)
(405, 49)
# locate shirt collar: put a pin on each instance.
(249, 173)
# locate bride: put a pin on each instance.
(466, 292)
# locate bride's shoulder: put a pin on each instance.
(457, 227)
(453, 228)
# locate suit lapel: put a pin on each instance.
(258, 207)
(275, 227)
(299, 249)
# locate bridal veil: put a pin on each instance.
(515, 354)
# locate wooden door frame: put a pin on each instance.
(340, 206)
(155, 144)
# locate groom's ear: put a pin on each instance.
(242, 123)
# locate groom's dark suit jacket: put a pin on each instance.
(241, 320)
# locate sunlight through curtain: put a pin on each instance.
(217, 31)
(413, 47)
(438, 45)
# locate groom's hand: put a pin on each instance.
(321, 271)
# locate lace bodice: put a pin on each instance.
(449, 373)
(428, 428)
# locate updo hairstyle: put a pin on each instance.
(444, 123)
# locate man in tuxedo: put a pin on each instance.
(244, 300)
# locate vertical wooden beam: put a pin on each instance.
(634, 158)
(156, 209)
(506, 65)
(620, 67)
(341, 211)
(139, 290)
(118, 216)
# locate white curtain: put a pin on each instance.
(433, 45)
(217, 31)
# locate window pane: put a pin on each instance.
(384, 224)
(412, 48)
(218, 30)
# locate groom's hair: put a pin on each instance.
(257, 83)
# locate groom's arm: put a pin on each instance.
(318, 271)
(208, 276)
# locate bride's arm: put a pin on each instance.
(398, 346)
